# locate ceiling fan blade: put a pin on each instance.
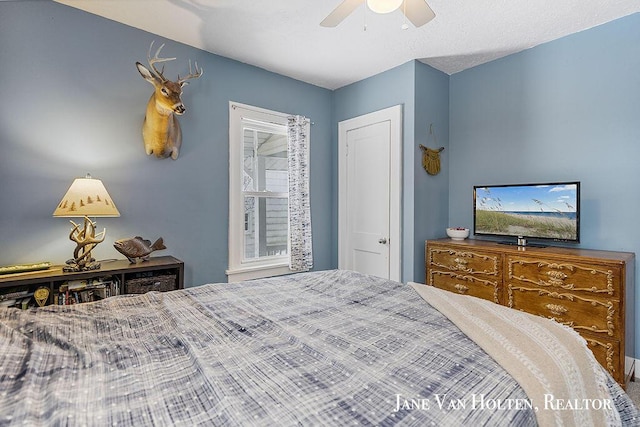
(339, 13)
(417, 11)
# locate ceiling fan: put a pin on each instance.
(416, 11)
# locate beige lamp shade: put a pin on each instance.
(383, 6)
(86, 197)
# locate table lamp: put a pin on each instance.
(86, 197)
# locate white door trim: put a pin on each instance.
(394, 116)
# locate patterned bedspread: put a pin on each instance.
(321, 348)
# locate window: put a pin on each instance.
(258, 193)
(265, 191)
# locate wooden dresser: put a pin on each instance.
(588, 290)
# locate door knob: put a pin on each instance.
(383, 241)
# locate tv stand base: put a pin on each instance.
(528, 245)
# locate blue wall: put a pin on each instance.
(74, 103)
(431, 192)
(566, 110)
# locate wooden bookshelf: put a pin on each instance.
(164, 273)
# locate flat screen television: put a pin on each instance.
(548, 211)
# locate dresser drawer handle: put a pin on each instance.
(461, 261)
(556, 278)
(557, 309)
(461, 288)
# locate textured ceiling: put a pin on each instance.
(284, 36)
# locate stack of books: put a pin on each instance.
(79, 291)
(16, 298)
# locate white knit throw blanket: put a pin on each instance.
(550, 361)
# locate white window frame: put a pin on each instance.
(240, 269)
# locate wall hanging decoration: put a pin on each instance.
(161, 130)
(136, 248)
(430, 156)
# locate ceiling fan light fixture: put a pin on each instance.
(383, 6)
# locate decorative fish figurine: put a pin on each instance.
(137, 247)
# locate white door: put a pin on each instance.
(369, 193)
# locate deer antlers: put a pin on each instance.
(183, 81)
(86, 239)
(159, 73)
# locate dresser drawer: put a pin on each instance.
(587, 280)
(597, 315)
(465, 284)
(606, 353)
(465, 261)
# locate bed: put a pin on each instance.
(321, 348)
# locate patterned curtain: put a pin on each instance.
(301, 257)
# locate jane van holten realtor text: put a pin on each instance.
(481, 402)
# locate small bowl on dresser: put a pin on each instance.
(457, 233)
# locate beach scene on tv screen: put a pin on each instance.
(543, 211)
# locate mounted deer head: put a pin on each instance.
(161, 131)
